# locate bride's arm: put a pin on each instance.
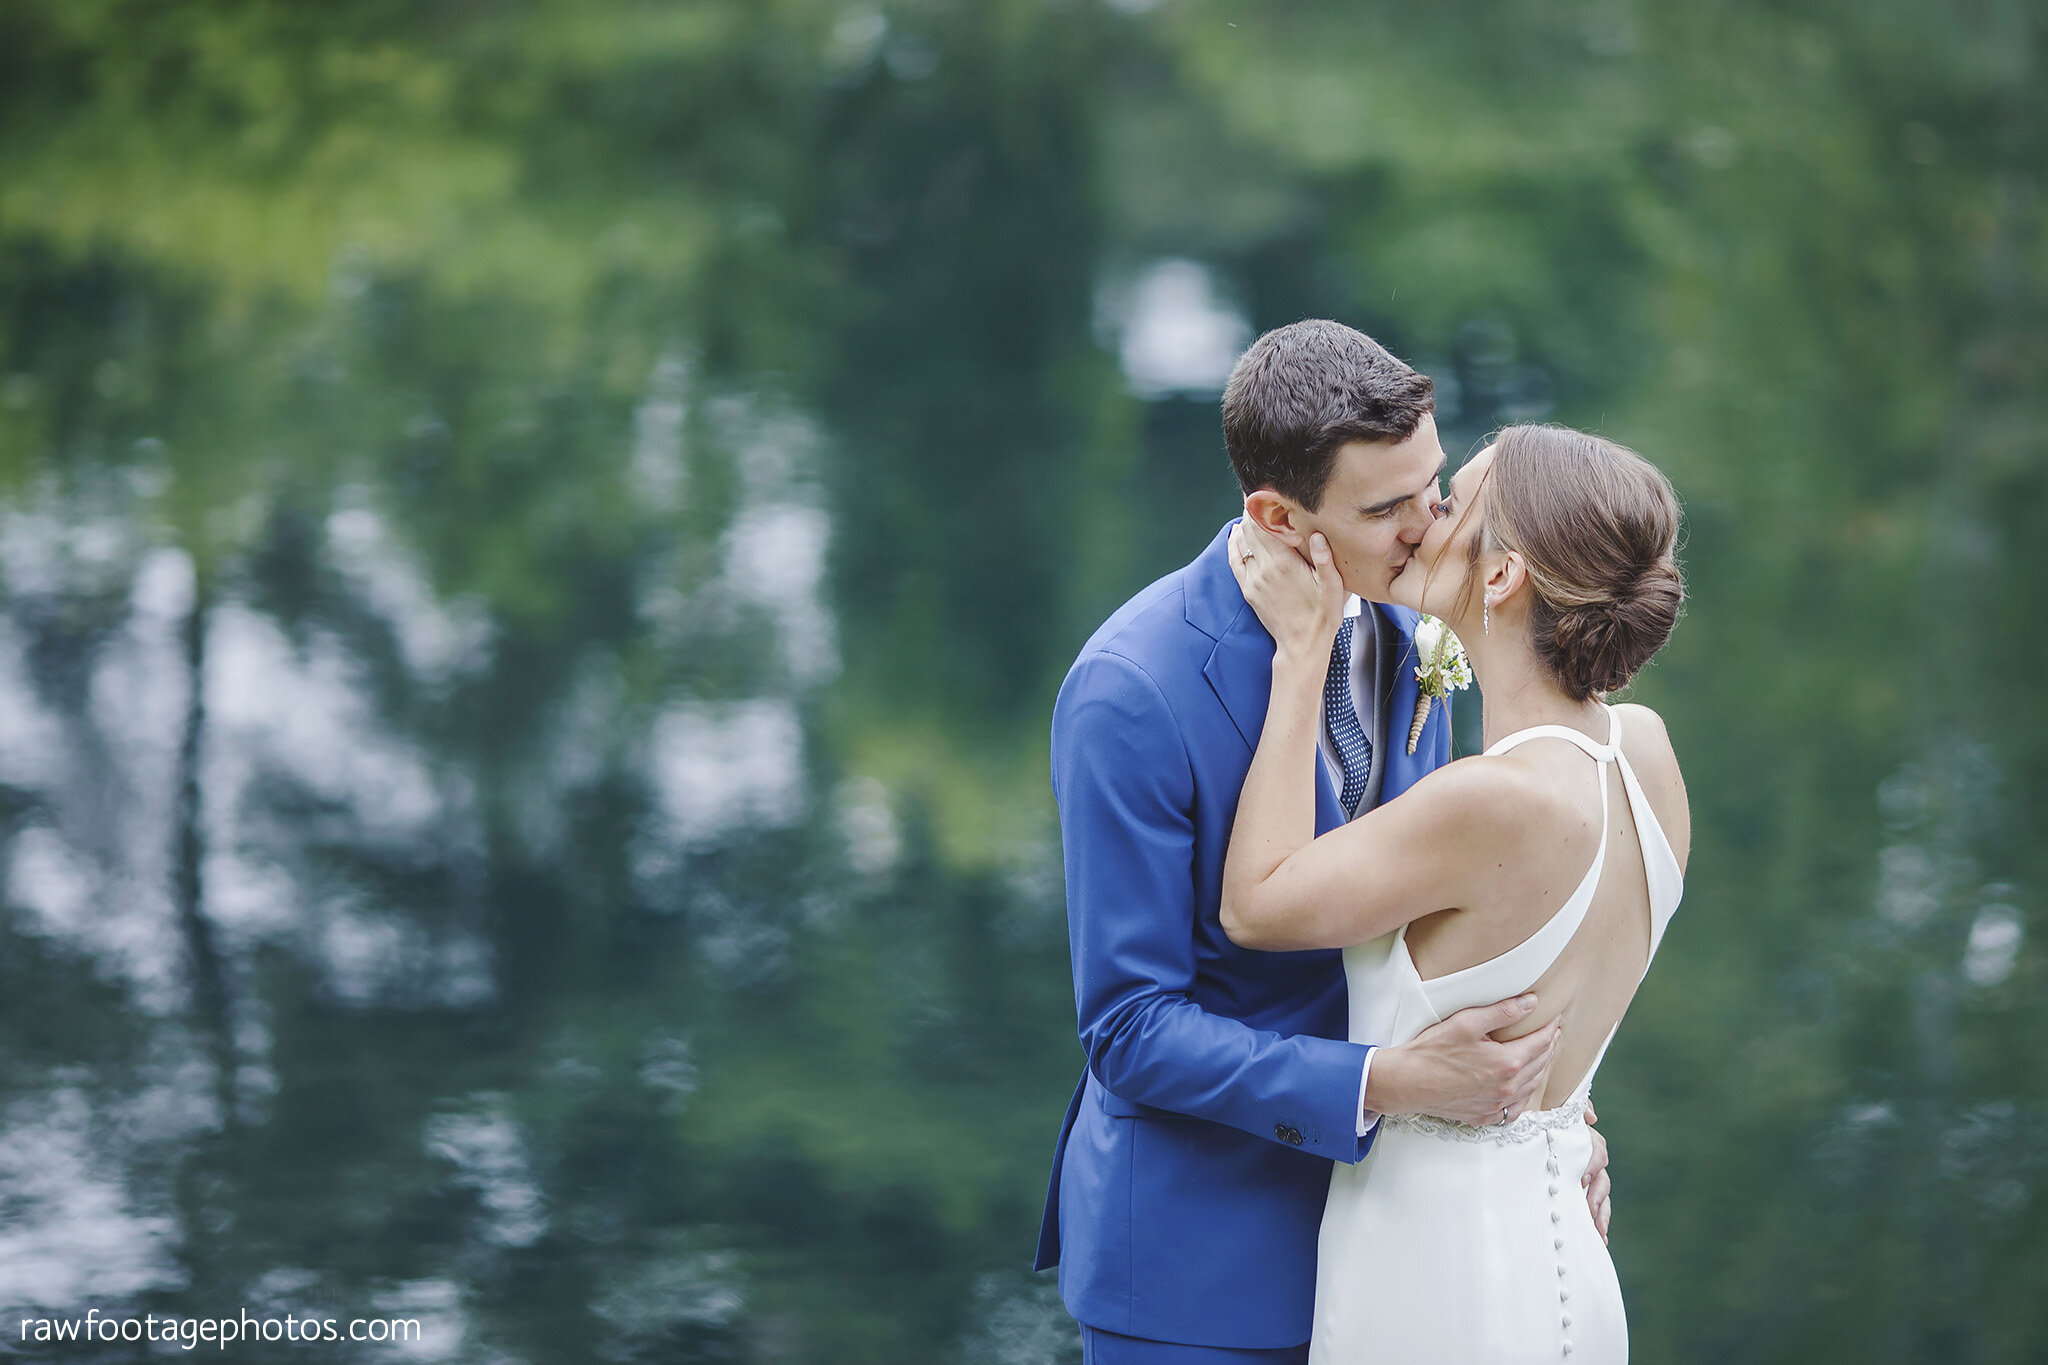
(1391, 866)
(1283, 888)
(1301, 606)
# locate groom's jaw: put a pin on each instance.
(1380, 586)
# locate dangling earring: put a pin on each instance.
(1486, 616)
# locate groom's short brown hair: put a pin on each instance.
(1303, 391)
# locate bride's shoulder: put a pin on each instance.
(1499, 795)
(1644, 737)
(1637, 713)
(1650, 752)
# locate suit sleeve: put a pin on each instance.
(1126, 794)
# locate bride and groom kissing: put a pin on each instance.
(1342, 999)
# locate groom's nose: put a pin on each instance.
(1415, 523)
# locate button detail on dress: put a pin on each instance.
(1557, 1242)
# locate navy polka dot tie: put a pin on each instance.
(1354, 746)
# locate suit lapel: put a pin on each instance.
(1404, 769)
(1240, 672)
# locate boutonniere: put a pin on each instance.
(1442, 669)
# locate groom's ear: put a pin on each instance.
(1277, 515)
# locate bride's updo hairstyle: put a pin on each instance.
(1596, 526)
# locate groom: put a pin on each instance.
(1188, 1184)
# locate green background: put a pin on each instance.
(538, 540)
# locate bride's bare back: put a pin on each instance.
(1593, 980)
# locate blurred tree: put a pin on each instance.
(585, 324)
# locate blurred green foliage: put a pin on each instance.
(570, 296)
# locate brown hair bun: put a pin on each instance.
(1596, 526)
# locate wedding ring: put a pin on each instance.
(1246, 557)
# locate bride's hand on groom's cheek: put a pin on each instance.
(1299, 601)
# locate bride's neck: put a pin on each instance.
(1518, 692)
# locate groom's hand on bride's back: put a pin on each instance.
(1599, 1189)
(1458, 1070)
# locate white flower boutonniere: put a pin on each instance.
(1442, 669)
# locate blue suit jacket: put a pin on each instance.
(1188, 1185)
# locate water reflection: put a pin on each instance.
(75, 1232)
(1173, 334)
(258, 811)
(534, 579)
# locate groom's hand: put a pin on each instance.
(1457, 1070)
(1599, 1189)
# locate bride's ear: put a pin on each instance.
(1277, 516)
(1508, 577)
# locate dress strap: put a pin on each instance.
(1660, 864)
(1557, 935)
(1604, 753)
(1524, 964)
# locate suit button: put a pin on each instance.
(1294, 1136)
(1280, 1131)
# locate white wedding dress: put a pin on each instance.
(1475, 1246)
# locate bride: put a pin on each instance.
(1551, 863)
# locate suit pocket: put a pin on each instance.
(1118, 1107)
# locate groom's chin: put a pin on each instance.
(1371, 592)
(1387, 589)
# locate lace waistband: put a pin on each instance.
(1524, 1129)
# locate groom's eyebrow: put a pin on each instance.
(1390, 504)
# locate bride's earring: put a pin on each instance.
(1486, 616)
